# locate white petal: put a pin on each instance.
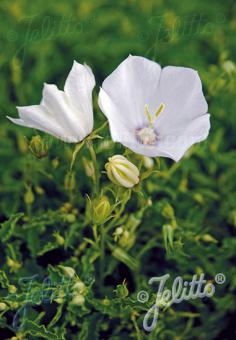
(133, 84)
(181, 92)
(177, 144)
(119, 128)
(60, 108)
(37, 117)
(78, 87)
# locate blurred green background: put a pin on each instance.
(39, 41)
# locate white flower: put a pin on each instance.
(154, 111)
(68, 114)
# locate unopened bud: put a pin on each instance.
(70, 181)
(3, 306)
(68, 271)
(38, 147)
(122, 291)
(148, 162)
(122, 172)
(12, 289)
(79, 287)
(101, 210)
(60, 240)
(229, 67)
(29, 196)
(88, 167)
(127, 239)
(78, 300)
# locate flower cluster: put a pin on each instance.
(152, 111)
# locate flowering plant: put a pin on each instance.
(109, 187)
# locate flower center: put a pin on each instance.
(147, 136)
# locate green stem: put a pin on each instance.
(95, 165)
(102, 256)
(120, 211)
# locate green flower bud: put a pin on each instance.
(60, 240)
(88, 167)
(29, 196)
(122, 172)
(122, 291)
(12, 289)
(70, 218)
(70, 181)
(68, 271)
(229, 67)
(79, 287)
(209, 238)
(13, 264)
(106, 302)
(38, 147)
(148, 162)
(127, 239)
(101, 210)
(117, 234)
(3, 306)
(59, 297)
(168, 211)
(78, 300)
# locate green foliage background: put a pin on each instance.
(195, 197)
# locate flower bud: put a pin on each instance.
(79, 287)
(70, 218)
(117, 234)
(88, 167)
(29, 196)
(101, 210)
(38, 147)
(229, 67)
(12, 289)
(122, 291)
(148, 162)
(13, 264)
(59, 239)
(3, 306)
(127, 239)
(69, 182)
(122, 172)
(68, 271)
(78, 300)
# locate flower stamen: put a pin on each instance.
(152, 119)
(159, 110)
(147, 136)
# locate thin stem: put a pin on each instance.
(95, 165)
(102, 256)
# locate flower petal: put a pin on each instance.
(177, 144)
(181, 92)
(78, 87)
(61, 110)
(37, 117)
(119, 128)
(133, 84)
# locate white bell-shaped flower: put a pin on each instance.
(154, 111)
(68, 114)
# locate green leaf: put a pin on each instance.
(8, 227)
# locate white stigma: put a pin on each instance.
(147, 136)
